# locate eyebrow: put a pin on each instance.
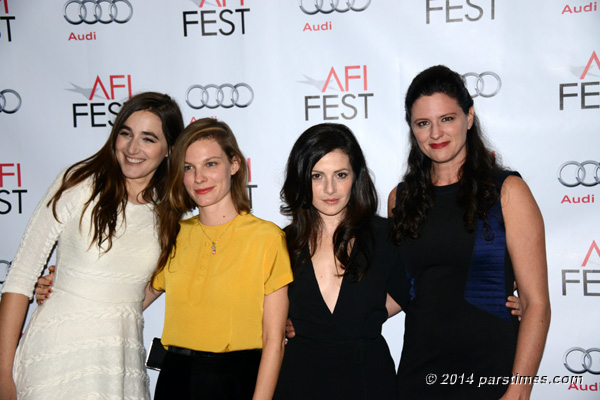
(147, 133)
(205, 160)
(339, 170)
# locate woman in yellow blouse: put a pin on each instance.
(225, 273)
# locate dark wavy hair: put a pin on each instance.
(478, 190)
(177, 201)
(109, 189)
(306, 225)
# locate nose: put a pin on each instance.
(436, 131)
(329, 186)
(133, 147)
(199, 176)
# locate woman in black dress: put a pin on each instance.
(344, 264)
(466, 229)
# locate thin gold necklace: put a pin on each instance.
(214, 242)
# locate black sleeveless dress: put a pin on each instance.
(342, 355)
(456, 344)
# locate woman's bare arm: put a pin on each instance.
(274, 318)
(525, 239)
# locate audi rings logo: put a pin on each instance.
(573, 174)
(213, 96)
(103, 11)
(10, 101)
(485, 84)
(319, 6)
(586, 363)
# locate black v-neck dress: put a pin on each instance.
(342, 355)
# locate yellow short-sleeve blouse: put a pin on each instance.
(214, 302)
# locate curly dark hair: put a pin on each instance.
(353, 231)
(478, 190)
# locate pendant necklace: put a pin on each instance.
(214, 242)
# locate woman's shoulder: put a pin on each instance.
(502, 174)
(380, 228)
(188, 221)
(78, 191)
(380, 223)
(392, 197)
(257, 225)
(512, 186)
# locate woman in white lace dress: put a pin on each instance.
(85, 342)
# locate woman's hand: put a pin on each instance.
(13, 309)
(290, 332)
(43, 288)
(514, 303)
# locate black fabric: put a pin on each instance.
(342, 355)
(210, 376)
(444, 334)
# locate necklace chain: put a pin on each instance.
(214, 242)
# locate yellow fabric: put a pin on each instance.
(214, 302)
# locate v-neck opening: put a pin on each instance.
(337, 300)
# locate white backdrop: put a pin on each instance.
(532, 65)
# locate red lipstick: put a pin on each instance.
(437, 146)
(203, 191)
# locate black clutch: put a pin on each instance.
(156, 355)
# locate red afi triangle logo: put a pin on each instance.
(593, 57)
(219, 3)
(594, 246)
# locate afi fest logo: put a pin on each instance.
(583, 94)
(451, 11)
(5, 32)
(11, 189)
(101, 100)
(587, 279)
(348, 104)
(216, 18)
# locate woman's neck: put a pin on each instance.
(217, 214)
(445, 174)
(135, 192)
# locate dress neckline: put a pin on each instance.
(453, 187)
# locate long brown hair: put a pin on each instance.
(177, 201)
(108, 183)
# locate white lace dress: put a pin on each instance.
(85, 342)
